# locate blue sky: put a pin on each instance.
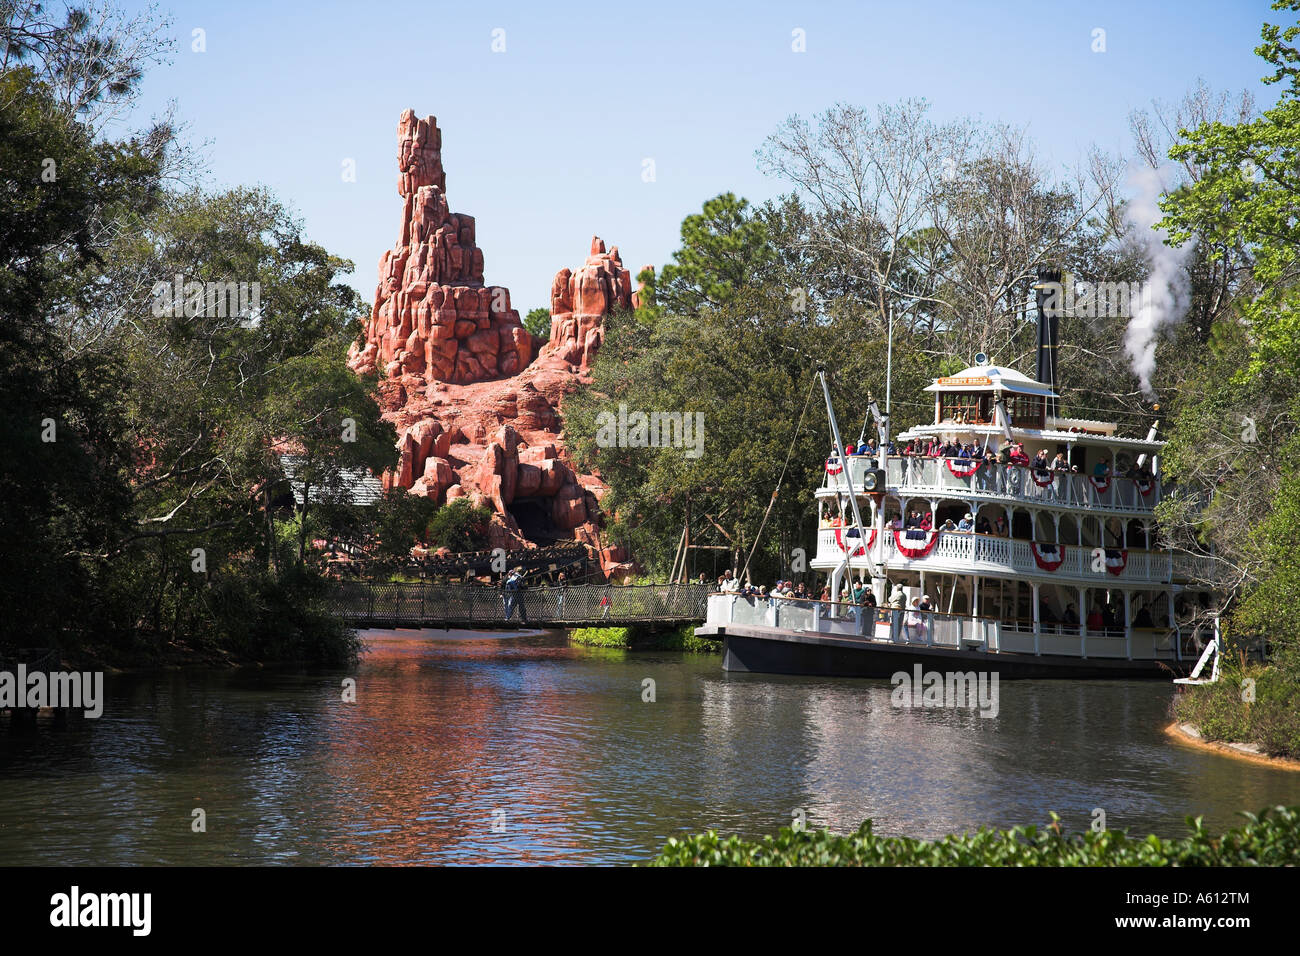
(544, 143)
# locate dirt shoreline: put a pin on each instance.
(1187, 734)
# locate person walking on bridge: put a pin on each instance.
(513, 597)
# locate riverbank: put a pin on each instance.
(1255, 705)
(1191, 736)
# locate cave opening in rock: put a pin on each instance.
(533, 515)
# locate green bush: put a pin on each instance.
(1271, 721)
(642, 637)
(459, 526)
(601, 636)
(1271, 838)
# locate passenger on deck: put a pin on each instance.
(1071, 616)
(916, 621)
(1040, 461)
(1018, 456)
(1143, 618)
(1102, 468)
(982, 526)
(1000, 527)
(948, 525)
(1095, 621)
(967, 523)
(1059, 463)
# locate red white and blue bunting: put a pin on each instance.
(1145, 487)
(1041, 478)
(834, 466)
(963, 467)
(915, 553)
(1116, 561)
(859, 551)
(1049, 557)
(1101, 484)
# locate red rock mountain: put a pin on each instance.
(475, 401)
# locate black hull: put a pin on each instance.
(812, 656)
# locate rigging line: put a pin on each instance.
(766, 514)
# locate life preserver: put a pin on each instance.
(859, 550)
(963, 467)
(1046, 563)
(915, 553)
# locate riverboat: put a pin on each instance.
(1020, 570)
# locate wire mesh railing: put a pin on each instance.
(429, 603)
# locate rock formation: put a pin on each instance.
(475, 402)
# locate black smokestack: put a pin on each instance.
(1048, 300)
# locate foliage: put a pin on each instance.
(538, 322)
(602, 636)
(1236, 434)
(1271, 720)
(142, 485)
(643, 637)
(1269, 838)
(459, 526)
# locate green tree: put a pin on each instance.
(1237, 436)
(459, 526)
(538, 322)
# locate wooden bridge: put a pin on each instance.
(466, 605)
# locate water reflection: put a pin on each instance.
(465, 748)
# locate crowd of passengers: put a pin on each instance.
(857, 593)
(1010, 453)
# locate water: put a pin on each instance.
(520, 749)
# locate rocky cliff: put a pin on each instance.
(476, 403)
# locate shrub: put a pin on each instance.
(1271, 838)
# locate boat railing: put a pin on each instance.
(976, 551)
(938, 629)
(1021, 482)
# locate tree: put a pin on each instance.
(63, 488)
(1238, 438)
(459, 526)
(538, 322)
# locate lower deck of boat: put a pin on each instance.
(752, 648)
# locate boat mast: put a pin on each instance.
(844, 471)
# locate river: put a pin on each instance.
(468, 748)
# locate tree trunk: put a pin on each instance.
(302, 527)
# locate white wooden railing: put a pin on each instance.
(959, 552)
(933, 629)
(931, 477)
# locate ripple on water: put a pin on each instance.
(472, 749)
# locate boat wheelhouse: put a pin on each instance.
(985, 553)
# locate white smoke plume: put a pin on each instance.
(1167, 292)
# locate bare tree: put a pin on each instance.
(91, 57)
(941, 225)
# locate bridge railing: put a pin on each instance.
(376, 603)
